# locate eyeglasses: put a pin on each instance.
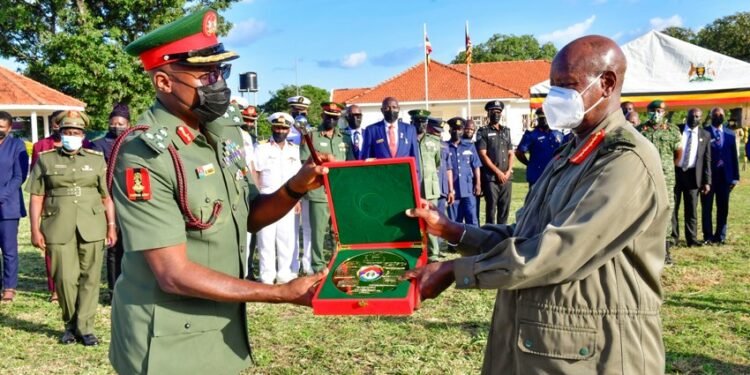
(212, 76)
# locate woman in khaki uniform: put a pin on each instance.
(71, 217)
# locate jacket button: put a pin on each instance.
(234, 206)
(187, 325)
(208, 200)
(584, 351)
(528, 343)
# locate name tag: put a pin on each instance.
(381, 140)
(467, 152)
(541, 138)
(491, 134)
(87, 168)
(323, 144)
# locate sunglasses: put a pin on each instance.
(212, 76)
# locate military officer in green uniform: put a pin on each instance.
(431, 154)
(667, 140)
(419, 120)
(69, 195)
(186, 202)
(326, 139)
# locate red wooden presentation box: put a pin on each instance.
(367, 201)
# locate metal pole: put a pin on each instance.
(426, 84)
(468, 80)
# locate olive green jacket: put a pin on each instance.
(338, 145)
(430, 152)
(578, 275)
(73, 187)
(154, 331)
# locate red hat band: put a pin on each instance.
(155, 57)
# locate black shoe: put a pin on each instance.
(696, 244)
(69, 337)
(668, 260)
(89, 340)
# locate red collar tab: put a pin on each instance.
(185, 134)
(589, 147)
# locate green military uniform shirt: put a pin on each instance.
(667, 139)
(429, 151)
(337, 145)
(73, 187)
(154, 331)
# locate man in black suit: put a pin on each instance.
(692, 173)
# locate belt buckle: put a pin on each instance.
(77, 191)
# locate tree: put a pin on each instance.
(729, 35)
(278, 103)
(683, 33)
(77, 46)
(502, 47)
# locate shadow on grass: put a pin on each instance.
(710, 303)
(690, 363)
(14, 323)
(31, 274)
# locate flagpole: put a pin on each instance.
(468, 78)
(426, 84)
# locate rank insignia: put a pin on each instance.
(185, 134)
(205, 170)
(138, 184)
(588, 147)
(87, 168)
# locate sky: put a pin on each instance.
(357, 43)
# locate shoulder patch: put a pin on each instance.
(618, 139)
(95, 152)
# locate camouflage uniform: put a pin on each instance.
(666, 138)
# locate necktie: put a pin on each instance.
(686, 159)
(356, 143)
(392, 140)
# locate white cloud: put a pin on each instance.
(246, 32)
(617, 35)
(569, 33)
(354, 60)
(658, 23)
(349, 61)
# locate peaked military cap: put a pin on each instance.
(72, 119)
(655, 104)
(435, 123)
(299, 101)
(281, 119)
(419, 113)
(190, 40)
(332, 108)
(494, 104)
(457, 122)
(250, 113)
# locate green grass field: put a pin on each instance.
(706, 319)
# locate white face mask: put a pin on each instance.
(72, 142)
(564, 107)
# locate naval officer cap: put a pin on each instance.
(299, 102)
(190, 40)
(281, 119)
(494, 104)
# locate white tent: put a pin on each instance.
(682, 74)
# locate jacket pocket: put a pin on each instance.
(183, 317)
(554, 341)
(98, 210)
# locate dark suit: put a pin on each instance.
(687, 185)
(725, 172)
(375, 144)
(14, 166)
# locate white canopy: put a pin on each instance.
(680, 73)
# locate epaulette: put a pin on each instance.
(231, 117)
(618, 139)
(156, 140)
(92, 151)
(47, 151)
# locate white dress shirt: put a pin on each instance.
(691, 158)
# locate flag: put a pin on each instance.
(468, 45)
(427, 48)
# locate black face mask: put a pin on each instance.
(354, 122)
(542, 124)
(420, 126)
(279, 137)
(390, 116)
(454, 136)
(717, 120)
(3, 134)
(116, 131)
(495, 118)
(213, 101)
(692, 122)
(329, 123)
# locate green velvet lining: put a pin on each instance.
(369, 203)
(329, 291)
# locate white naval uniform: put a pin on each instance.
(249, 146)
(277, 249)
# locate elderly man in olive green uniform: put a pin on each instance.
(667, 140)
(578, 274)
(186, 202)
(69, 193)
(430, 158)
(326, 139)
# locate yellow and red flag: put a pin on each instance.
(427, 48)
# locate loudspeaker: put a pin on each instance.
(248, 82)
(736, 115)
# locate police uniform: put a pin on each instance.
(177, 185)
(541, 146)
(430, 152)
(315, 202)
(464, 160)
(274, 165)
(497, 143)
(74, 224)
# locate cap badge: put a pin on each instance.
(210, 24)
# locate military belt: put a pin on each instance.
(76, 191)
